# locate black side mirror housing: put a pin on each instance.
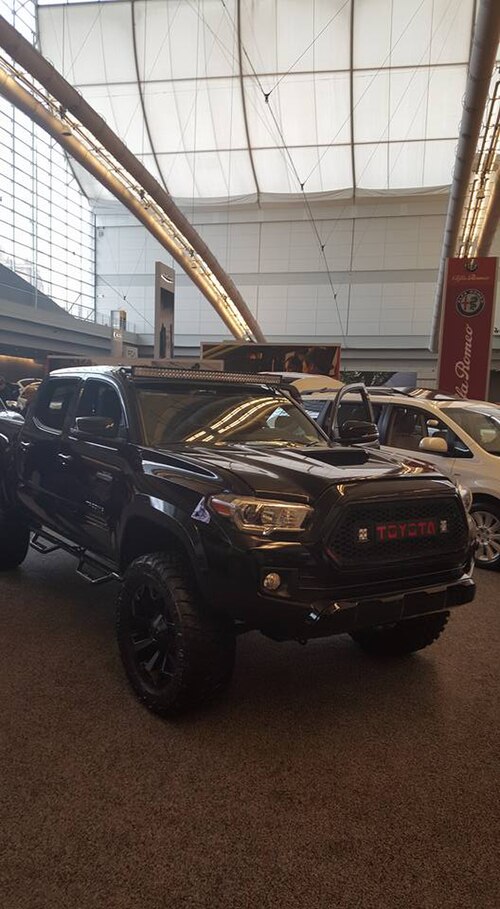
(353, 431)
(103, 427)
(358, 432)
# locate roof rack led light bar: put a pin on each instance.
(203, 375)
(33, 85)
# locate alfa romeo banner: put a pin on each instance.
(466, 327)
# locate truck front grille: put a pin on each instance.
(372, 534)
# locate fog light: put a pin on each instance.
(271, 581)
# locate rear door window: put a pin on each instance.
(53, 403)
(407, 428)
(100, 399)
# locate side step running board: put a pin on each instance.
(43, 545)
(89, 571)
(89, 568)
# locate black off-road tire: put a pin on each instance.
(196, 648)
(14, 541)
(402, 638)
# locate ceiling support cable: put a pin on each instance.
(101, 152)
(141, 94)
(351, 98)
(481, 67)
(244, 102)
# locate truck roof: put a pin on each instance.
(79, 370)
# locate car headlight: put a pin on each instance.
(261, 515)
(466, 496)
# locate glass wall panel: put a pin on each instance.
(46, 223)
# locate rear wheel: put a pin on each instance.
(402, 638)
(14, 540)
(486, 516)
(176, 653)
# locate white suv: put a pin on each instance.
(461, 437)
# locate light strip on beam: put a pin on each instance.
(484, 179)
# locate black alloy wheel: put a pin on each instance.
(153, 636)
(177, 654)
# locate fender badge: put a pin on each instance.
(201, 513)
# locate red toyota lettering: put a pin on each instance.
(405, 530)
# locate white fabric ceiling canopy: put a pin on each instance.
(230, 100)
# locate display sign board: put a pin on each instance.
(254, 358)
(466, 327)
(164, 311)
(118, 326)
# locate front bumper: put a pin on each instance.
(328, 583)
(312, 602)
(285, 620)
(340, 616)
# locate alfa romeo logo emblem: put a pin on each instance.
(470, 303)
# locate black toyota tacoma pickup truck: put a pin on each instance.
(221, 507)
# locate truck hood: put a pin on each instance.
(300, 473)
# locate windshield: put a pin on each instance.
(222, 416)
(482, 425)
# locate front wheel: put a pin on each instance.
(402, 638)
(486, 516)
(176, 653)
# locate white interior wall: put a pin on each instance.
(383, 256)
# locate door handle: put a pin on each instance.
(65, 460)
(24, 446)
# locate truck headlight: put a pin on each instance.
(466, 496)
(261, 515)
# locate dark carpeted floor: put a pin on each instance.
(322, 779)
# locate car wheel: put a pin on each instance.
(14, 541)
(486, 517)
(402, 638)
(176, 653)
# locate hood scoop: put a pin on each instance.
(338, 456)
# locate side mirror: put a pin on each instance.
(358, 432)
(96, 426)
(14, 414)
(434, 445)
